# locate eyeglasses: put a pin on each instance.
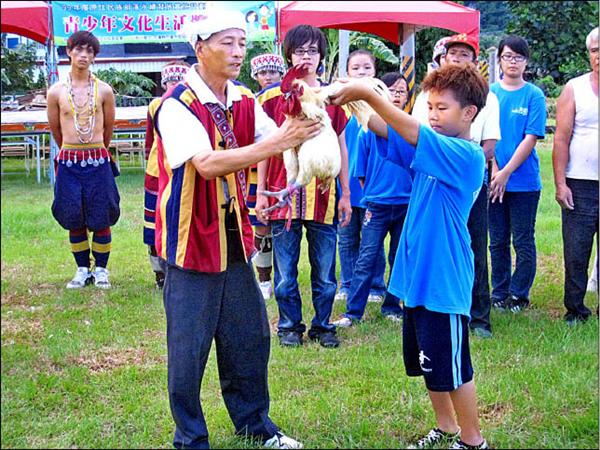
(301, 51)
(397, 93)
(515, 58)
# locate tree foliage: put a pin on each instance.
(254, 49)
(380, 50)
(18, 67)
(494, 16)
(424, 42)
(556, 35)
(125, 82)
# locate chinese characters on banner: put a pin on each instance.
(149, 21)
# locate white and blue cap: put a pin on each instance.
(204, 24)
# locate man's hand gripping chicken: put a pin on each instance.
(319, 156)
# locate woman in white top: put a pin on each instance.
(575, 161)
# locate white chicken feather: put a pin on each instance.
(319, 156)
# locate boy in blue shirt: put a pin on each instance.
(516, 184)
(433, 272)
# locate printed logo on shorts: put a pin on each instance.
(422, 359)
(367, 219)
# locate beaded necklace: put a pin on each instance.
(84, 114)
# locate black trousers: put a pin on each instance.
(229, 308)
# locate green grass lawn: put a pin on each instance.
(88, 368)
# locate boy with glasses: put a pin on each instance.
(516, 182)
(312, 209)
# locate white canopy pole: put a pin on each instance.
(343, 54)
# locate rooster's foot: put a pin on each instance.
(283, 199)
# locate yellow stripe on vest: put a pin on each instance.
(185, 212)
(269, 94)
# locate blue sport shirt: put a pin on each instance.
(356, 191)
(385, 182)
(522, 112)
(434, 262)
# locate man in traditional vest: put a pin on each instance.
(171, 74)
(204, 235)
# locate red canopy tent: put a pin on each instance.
(29, 19)
(381, 18)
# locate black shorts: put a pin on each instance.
(436, 346)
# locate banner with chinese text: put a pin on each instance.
(150, 21)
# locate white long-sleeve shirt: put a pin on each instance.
(184, 136)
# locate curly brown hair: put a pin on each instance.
(463, 80)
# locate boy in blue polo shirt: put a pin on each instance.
(433, 272)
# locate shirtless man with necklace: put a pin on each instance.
(81, 113)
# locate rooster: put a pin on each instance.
(319, 156)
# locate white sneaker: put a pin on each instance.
(82, 277)
(266, 289)
(343, 322)
(393, 317)
(592, 285)
(340, 297)
(375, 298)
(280, 440)
(101, 278)
(461, 445)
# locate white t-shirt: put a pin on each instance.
(184, 136)
(485, 126)
(583, 148)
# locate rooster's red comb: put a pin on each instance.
(297, 72)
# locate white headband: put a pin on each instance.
(175, 72)
(208, 22)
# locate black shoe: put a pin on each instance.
(327, 339)
(517, 304)
(290, 338)
(573, 320)
(500, 303)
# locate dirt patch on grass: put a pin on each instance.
(550, 266)
(22, 298)
(108, 359)
(154, 334)
(556, 313)
(273, 325)
(14, 299)
(20, 330)
(494, 413)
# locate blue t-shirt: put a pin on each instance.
(385, 182)
(434, 261)
(521, 112)
(356, 191)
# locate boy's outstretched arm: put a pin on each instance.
(356, 89)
